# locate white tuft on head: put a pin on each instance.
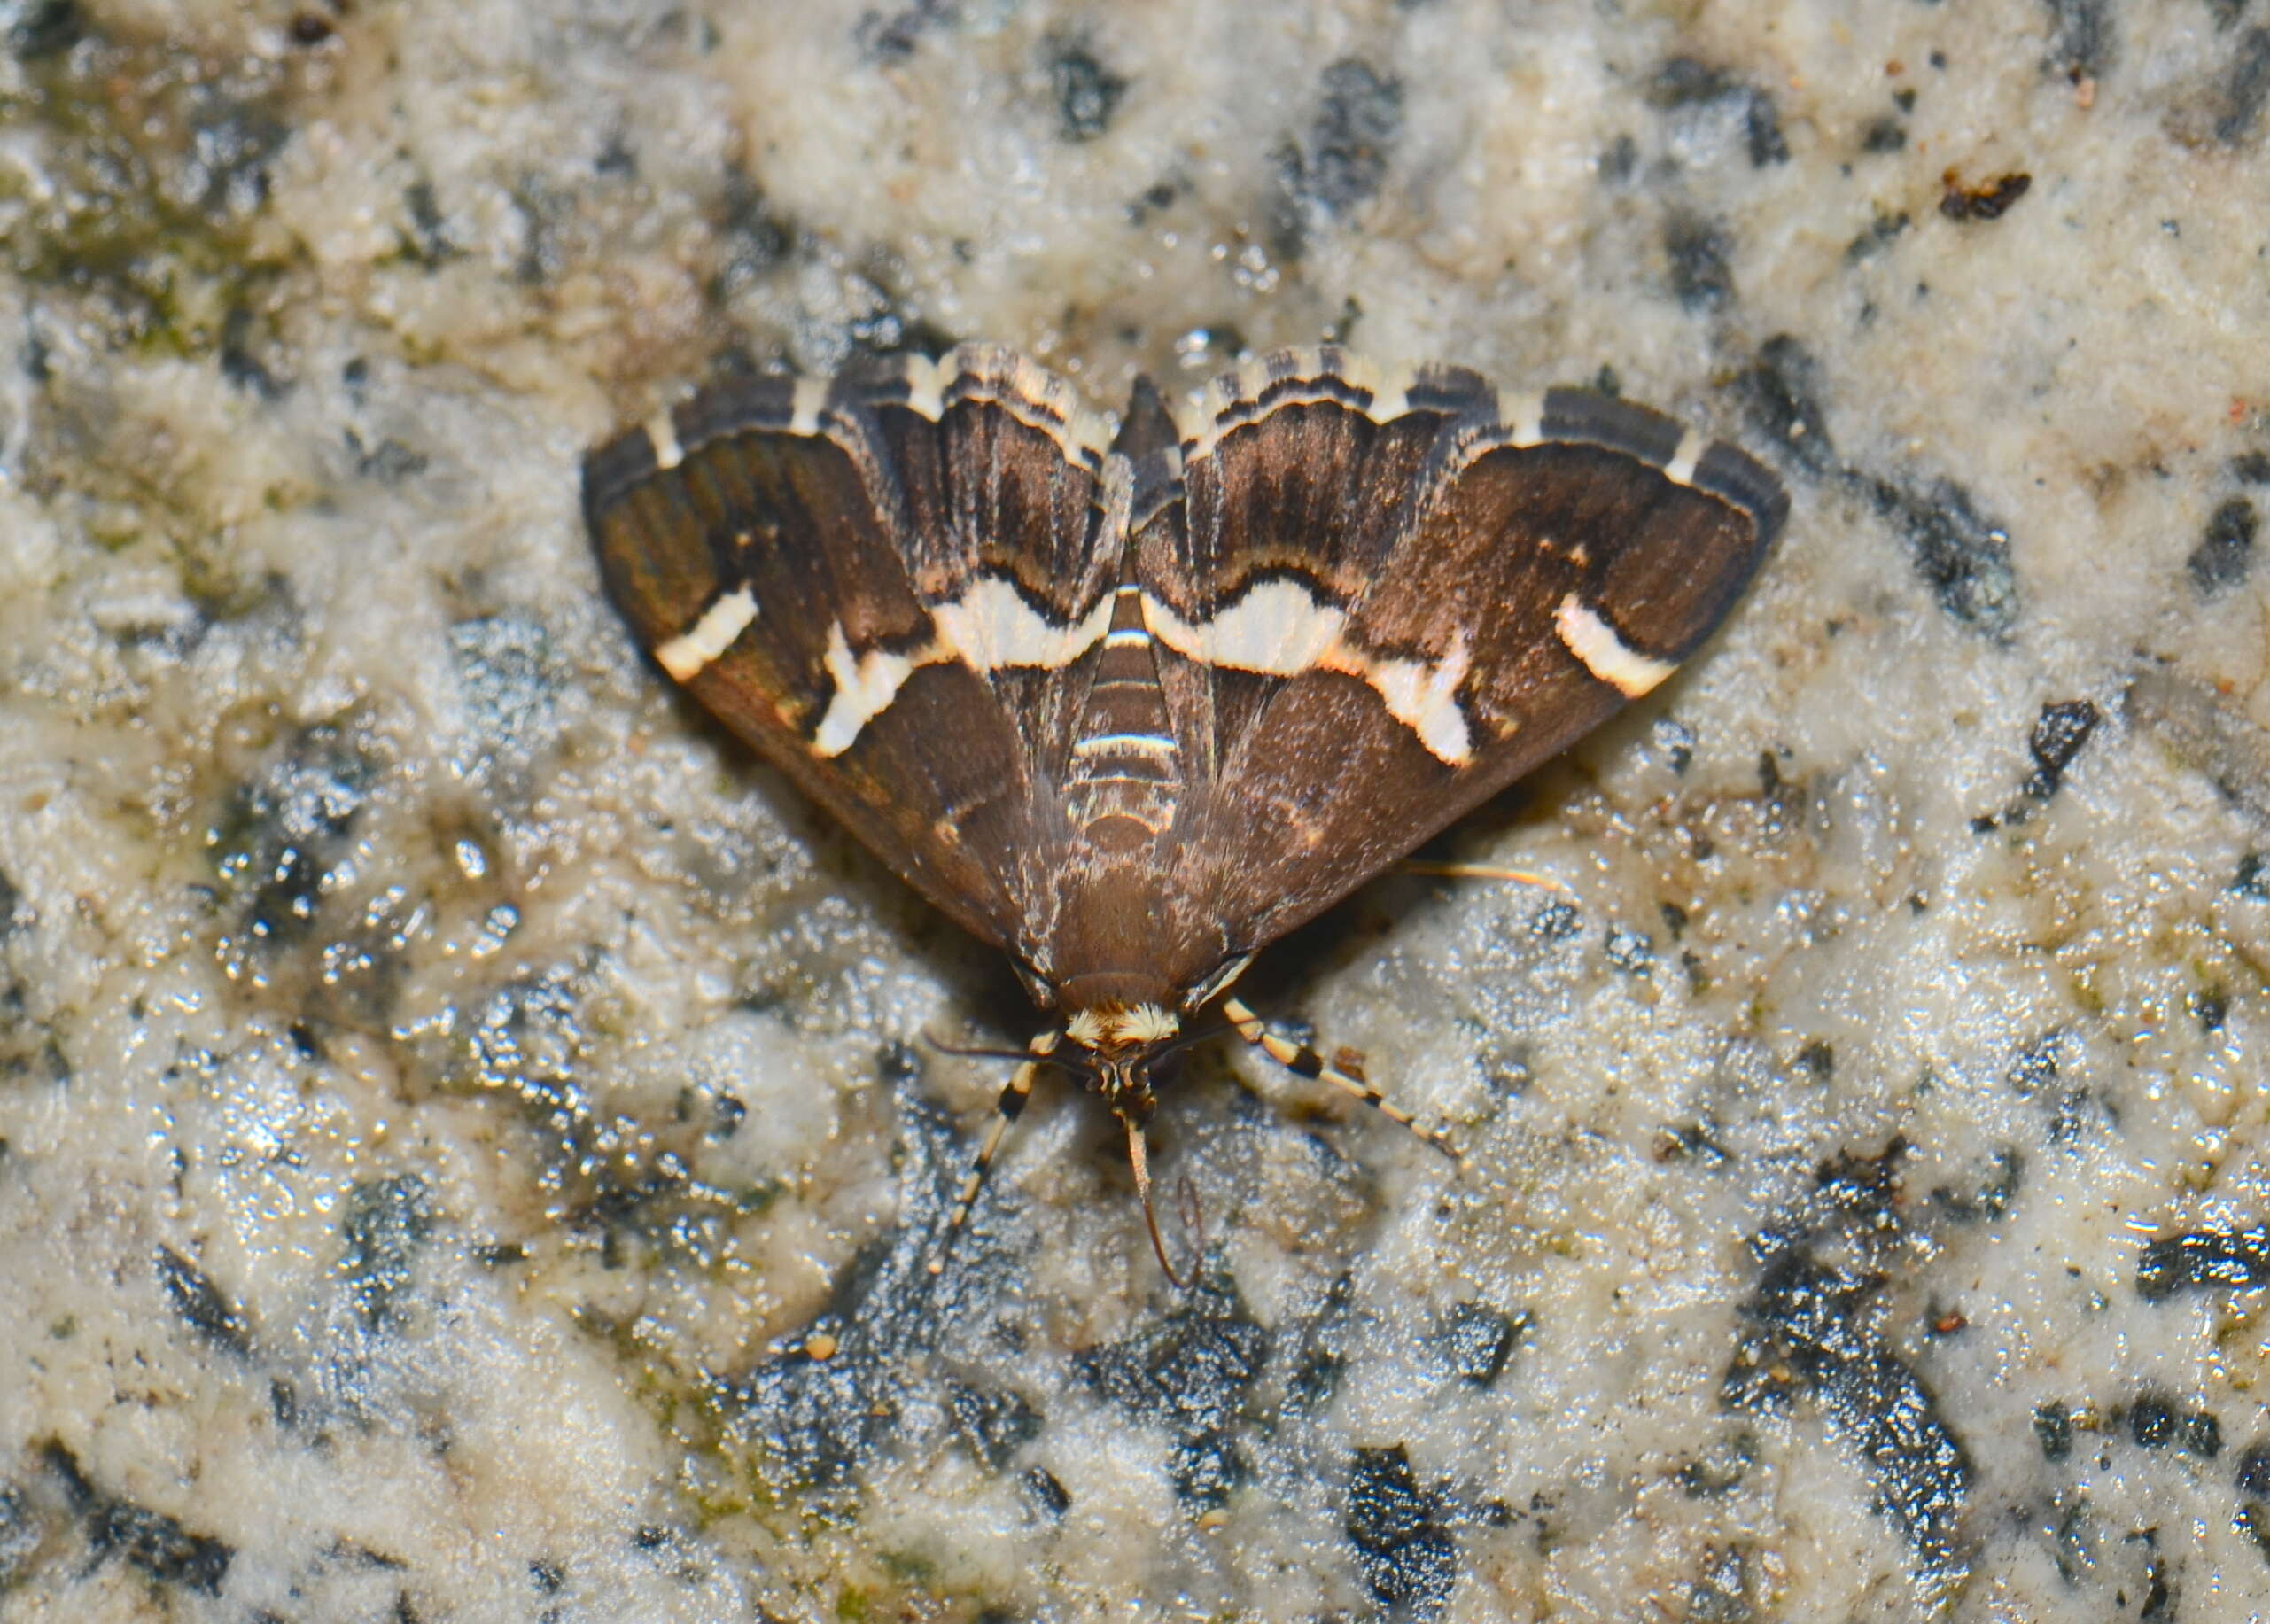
(1085, 1028)
(1111, 1028)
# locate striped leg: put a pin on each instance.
(1303, 1061)
(1010, 1106)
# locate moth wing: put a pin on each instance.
(1387, 597)
(890, 584)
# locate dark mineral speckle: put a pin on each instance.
(2059, 734)
(1188, 1372)
(1342, 160)
(201, 1305)
(1987, 200)
(2053, 1429)
(1962, 557)
(157, 1546)
(386, 1224)
(1780, 396)
(2247, 87)
(1087, 92)
(2201, 1260)
(1699, 255)
(1477, 1340)
(46, 28)
(1404, 1552)
(2226, 549)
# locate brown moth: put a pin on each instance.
(1131, 706)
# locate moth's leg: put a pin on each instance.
(1009, 1107)
(1303, 1061)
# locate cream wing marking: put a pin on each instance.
(1278, 630)
(685, 656)
(1606, 655)
(989, 628)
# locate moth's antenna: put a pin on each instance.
(1482, 871)
(1138, 1158)
(1303, 1061)
(1011, 1102)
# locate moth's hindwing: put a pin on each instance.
(889, 584)
(1386, 597)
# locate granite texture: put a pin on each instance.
(446, 1091)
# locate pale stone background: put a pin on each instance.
(442, 1081)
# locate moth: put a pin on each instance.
(1132, 703)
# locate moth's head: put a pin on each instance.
(1112, 1045)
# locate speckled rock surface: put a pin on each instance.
(444, 1085)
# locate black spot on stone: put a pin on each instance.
(387, 1222)
(2080, 43)
(2247, 88)
(201, 1305)
(238, 364)
(2226, 548)
(283, 1403)
(1402, 1549)
(2053, 1429)
(991, 1425)
(2203, 1434)
(1965, 559)
(308, 29)
(1880, 234)
(1189, 1373)
(1884, 134)
(155, 1545)
(2254, 1470)
(1806, 1333)
(2035, 1065)
(1992, 1198)
(1699, 255)
(814, 1421)
(1781, 398)
(1087, 92)
(893, 38)
(1676, 741)
(46, 28)
(2200, 1259)
(1675, 919)
(1620, 161)
(389, 462)
(2253, 1521)
(273, 844)
(11, 907)
(1632, 952)
(1345, 158)
(1047, 1496)
(2251, 468)
(1683, 81)
(1556, 922)
(2153, 1421)
(1477, 1341)
(548, 1577)
(430, 242)
(2059, 734)
(2252, 880)
(1904, 100)
(2212, 1007)
(1719, 1469)
(754, 238)
(1988, 200)
(1761, 128)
